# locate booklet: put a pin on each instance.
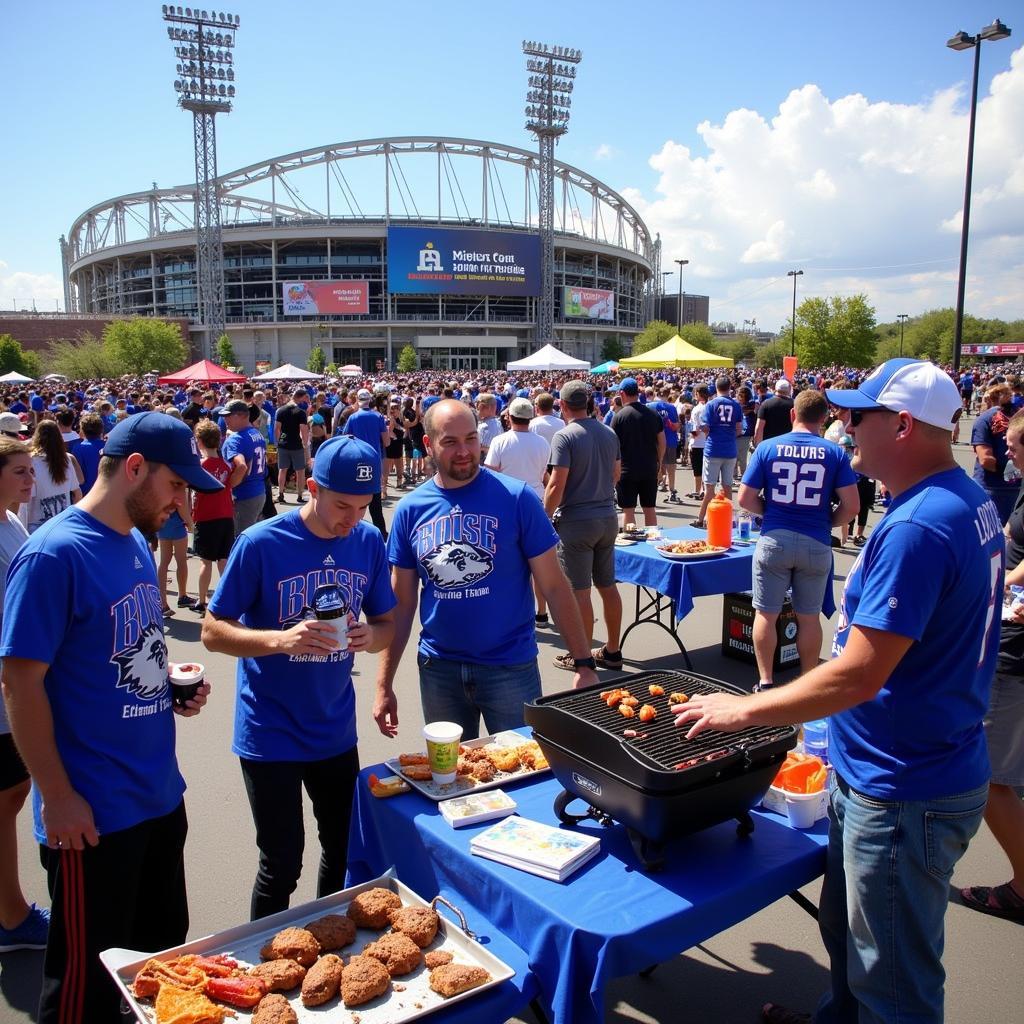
(535, 847)
(476, 807)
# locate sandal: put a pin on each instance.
(772, 1013)
(566, 661)
(999, 901)
(168, 613)
(606, 658)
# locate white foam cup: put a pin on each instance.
(442, 740)
(802, 808)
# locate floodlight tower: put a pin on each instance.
(203, 42)
(552, 71)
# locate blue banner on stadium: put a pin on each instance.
(427, 261)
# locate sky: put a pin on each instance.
(754, 138)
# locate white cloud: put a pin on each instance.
(863, 196)
(604, 152)
(21, 288)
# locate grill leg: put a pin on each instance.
(746, 825)
(650, 854)
(804, 903)
(653, 612)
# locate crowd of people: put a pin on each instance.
(512, 490)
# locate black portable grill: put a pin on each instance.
(658, 784)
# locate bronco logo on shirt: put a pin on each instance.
(457, 565)
(456, 549)
(140, 653)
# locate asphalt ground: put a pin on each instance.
(774, 955)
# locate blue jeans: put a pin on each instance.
(461, 691)
(883, 903)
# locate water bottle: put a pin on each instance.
(1011, 474)
(745, 527)
(816, 738)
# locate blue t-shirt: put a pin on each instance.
(18, 407)
(84, 599)
(932, 570)
(721, 415)
(990, 428)
(798, 472)
(470, 546)
(88, 454)
(367, 425)
(670, 418)
(298, 707)
(250, 445)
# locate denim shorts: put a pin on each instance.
(718, 471)
(785, 559)
(1004, 729)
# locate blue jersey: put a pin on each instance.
(990, 429)
(798, 473)
(721, 415)
(297, 707)
(84, 599)
(367, 425)
(88, 454)
(932, 571)
(670, 420)
(470, 547)
(250, 445)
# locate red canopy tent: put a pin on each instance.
(205, 371)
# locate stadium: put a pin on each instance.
(365, 247)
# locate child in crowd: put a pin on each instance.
(213, 513)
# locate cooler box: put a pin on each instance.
(738, 631)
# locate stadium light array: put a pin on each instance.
(205, 69)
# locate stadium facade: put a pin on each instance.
(364, 247)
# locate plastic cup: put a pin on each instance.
(185, 680)
(340, 628)
(443, 750)
(802, 808)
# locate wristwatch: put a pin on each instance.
(579, 663)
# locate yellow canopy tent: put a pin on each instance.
(674, 352)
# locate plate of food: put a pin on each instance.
(688, 550)
(485, 763)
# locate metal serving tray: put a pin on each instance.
(462, 785)
(245, 941)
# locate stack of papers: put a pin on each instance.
(476, 807)
(532, 846)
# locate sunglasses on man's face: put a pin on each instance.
(856, 415)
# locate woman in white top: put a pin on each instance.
(58, 477)
(21, 926)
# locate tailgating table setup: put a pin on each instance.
(666, 588)
(610, 918)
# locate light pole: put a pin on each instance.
(962, 41)
(903, 318)
(661, 302)
(679, 311)
(794, 274)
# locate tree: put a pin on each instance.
(835, 330)
(771, 354)
(225, 351)
(85, 359)
(14, 357)
(331, 369)
(612, 349)
(142, 344)
(699, 335)
(653, 335)
(407, 360)
(317, 360)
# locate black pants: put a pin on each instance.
(127, 891)
(275, 796)
(866, 493)
(377, 515)
(269, 509)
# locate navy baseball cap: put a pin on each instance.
(347, 465)
(630, 386)
(160, 438)
(905, 385)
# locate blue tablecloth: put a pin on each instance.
(607, 920)
(732, 572)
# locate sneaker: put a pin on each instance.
(167, 611)
(281, 499)
(566, 661)
(541, 619)
(300, 500)
(186, 601)
(199, 608)
(30, 934)
(674, 499)
(859, 541)
(607, 659)
(662, 487)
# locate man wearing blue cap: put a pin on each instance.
(85, 680)
(295, 706)
(907, 690)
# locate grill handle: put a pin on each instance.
(748, 748)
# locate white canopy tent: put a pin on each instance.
(289, 372)
(16, 378)
(549, 358)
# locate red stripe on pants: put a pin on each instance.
(73, 987)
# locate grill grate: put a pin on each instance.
(659, 741)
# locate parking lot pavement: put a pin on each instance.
(774, 955)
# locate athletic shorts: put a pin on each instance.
(697, 459)
(628, 491)
(586, 550)
(1004, 729)
(173, 529)
(214, 538)
(12, 769)
(669, 458)
(717, 470)
(291, 458)
(785, 559)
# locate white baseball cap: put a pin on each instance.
(906, 385)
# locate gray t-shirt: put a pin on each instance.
(590, 450)
(12, 535)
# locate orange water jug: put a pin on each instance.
(719, 520)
